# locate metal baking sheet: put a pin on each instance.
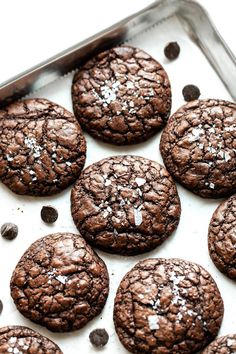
(190, 239)
(193, 17)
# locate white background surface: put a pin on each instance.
(30, 33)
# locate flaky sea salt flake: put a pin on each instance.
(227, 156)
(107, 183)
(105, 214)
(153, 322)
(140, 181)
(138, 219)
(196, 133)
(61, 278)
(9, 158)
(139, 192)
(129, 85)
(231, 342)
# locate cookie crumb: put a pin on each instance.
(99, 337)
(191, 92)
(9, 231)
(49, 214)
(172, 50)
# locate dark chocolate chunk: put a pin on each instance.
(1, 306)
(122, 96)
(222, 345)
(42, 147)
(99, 337)
(9, 231)
(125, 204)
(22, 340)
(198, 147)
(172, 50)
(222, 237)
(169, 306)
(60, 283)
(191, 93)
(49, 214)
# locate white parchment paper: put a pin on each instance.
(188, 242)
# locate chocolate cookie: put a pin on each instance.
(23, 340)
(60, 282)
(222, 345)
(42, 148)
(122, 96)
(125, 204)
(198, 147)
(167, 306)
(222, 237)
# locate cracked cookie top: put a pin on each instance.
(125, 204)
(222, 237)
(122, 96)
(222, 345)
(23, 340)
(167, 306)
(60, 282)
(42, 147)
(198, 147)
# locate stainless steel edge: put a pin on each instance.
(201, 29)
(68, 60)
(197, 23)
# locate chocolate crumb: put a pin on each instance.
(172, 50)
(49, 214)
(1, 306)
(99, 337)
(191, 92)
(9, 231)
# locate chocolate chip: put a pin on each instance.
(191, 92)
(99, 337)
(49, 214)
(9, 231)
(172, 50)
(1, 306)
